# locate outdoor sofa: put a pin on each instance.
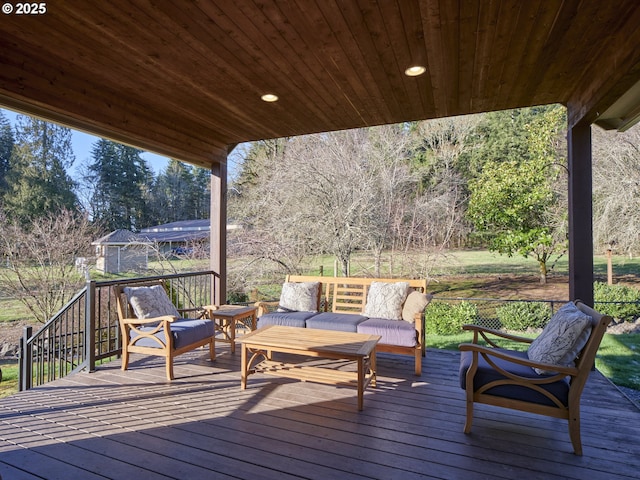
(391, 308)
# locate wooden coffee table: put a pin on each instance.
(258, 348)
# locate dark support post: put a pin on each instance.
(219, 229)
(90, 327)
(580, 214)
(26, 360)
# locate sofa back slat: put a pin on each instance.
(348, 298)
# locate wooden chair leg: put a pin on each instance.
(212, 349)
(169, 367)
(125, 359)
(418, 360)
(574, 432)
(469, 419)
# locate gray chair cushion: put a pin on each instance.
(343, 322)
(285, 319)
(486, 373)
(393, 332)
(184, 331)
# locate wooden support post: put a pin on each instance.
(580, 214)
(218, 235)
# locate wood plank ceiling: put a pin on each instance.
(184, 78)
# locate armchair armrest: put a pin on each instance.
(144, 321)
(486, 352)
(484, 332)
(266, 307)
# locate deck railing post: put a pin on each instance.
(90, 326)
(214, 289)
(26, 360)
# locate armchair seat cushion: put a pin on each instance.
(285, 319)
(344, 322)
(393, 332)
(184, 331)
(486, 374)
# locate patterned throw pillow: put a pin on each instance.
(150, 302)
(385, 300)
(299, 297)
(562, 339)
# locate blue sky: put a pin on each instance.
(83, 143)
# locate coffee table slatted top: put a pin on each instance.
(322, 342)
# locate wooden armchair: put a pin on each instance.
(507, 378)
(151, 324)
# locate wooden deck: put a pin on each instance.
(134, 425)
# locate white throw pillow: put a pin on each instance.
(416, 302)
(562, 339)
(150, 302)
(385, 300)
(299, 297)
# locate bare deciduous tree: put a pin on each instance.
(616, 189)
(353, 190)
(39, 266)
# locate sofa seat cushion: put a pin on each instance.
(184, 331)
(285, 319)
(344, 322)
(486, 373)
(393, 332)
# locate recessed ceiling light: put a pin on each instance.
(415, 70)
(269, 97)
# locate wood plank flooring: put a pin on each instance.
(135, 425)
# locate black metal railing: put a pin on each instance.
(86, 332)
(486, 309)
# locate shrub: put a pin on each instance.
(522, 315)
(620, 301)
(237, 297)
(445, 319)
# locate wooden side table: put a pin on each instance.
(228, 318)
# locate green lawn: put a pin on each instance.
(9, 383)
(12, 310)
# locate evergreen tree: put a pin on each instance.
(181, 192)
(500, 137)
(6, 149)
(38, 183)
(200, 193)
(121, 181)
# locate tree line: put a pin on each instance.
(403, 193)
(115, 188)
(408, 192)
